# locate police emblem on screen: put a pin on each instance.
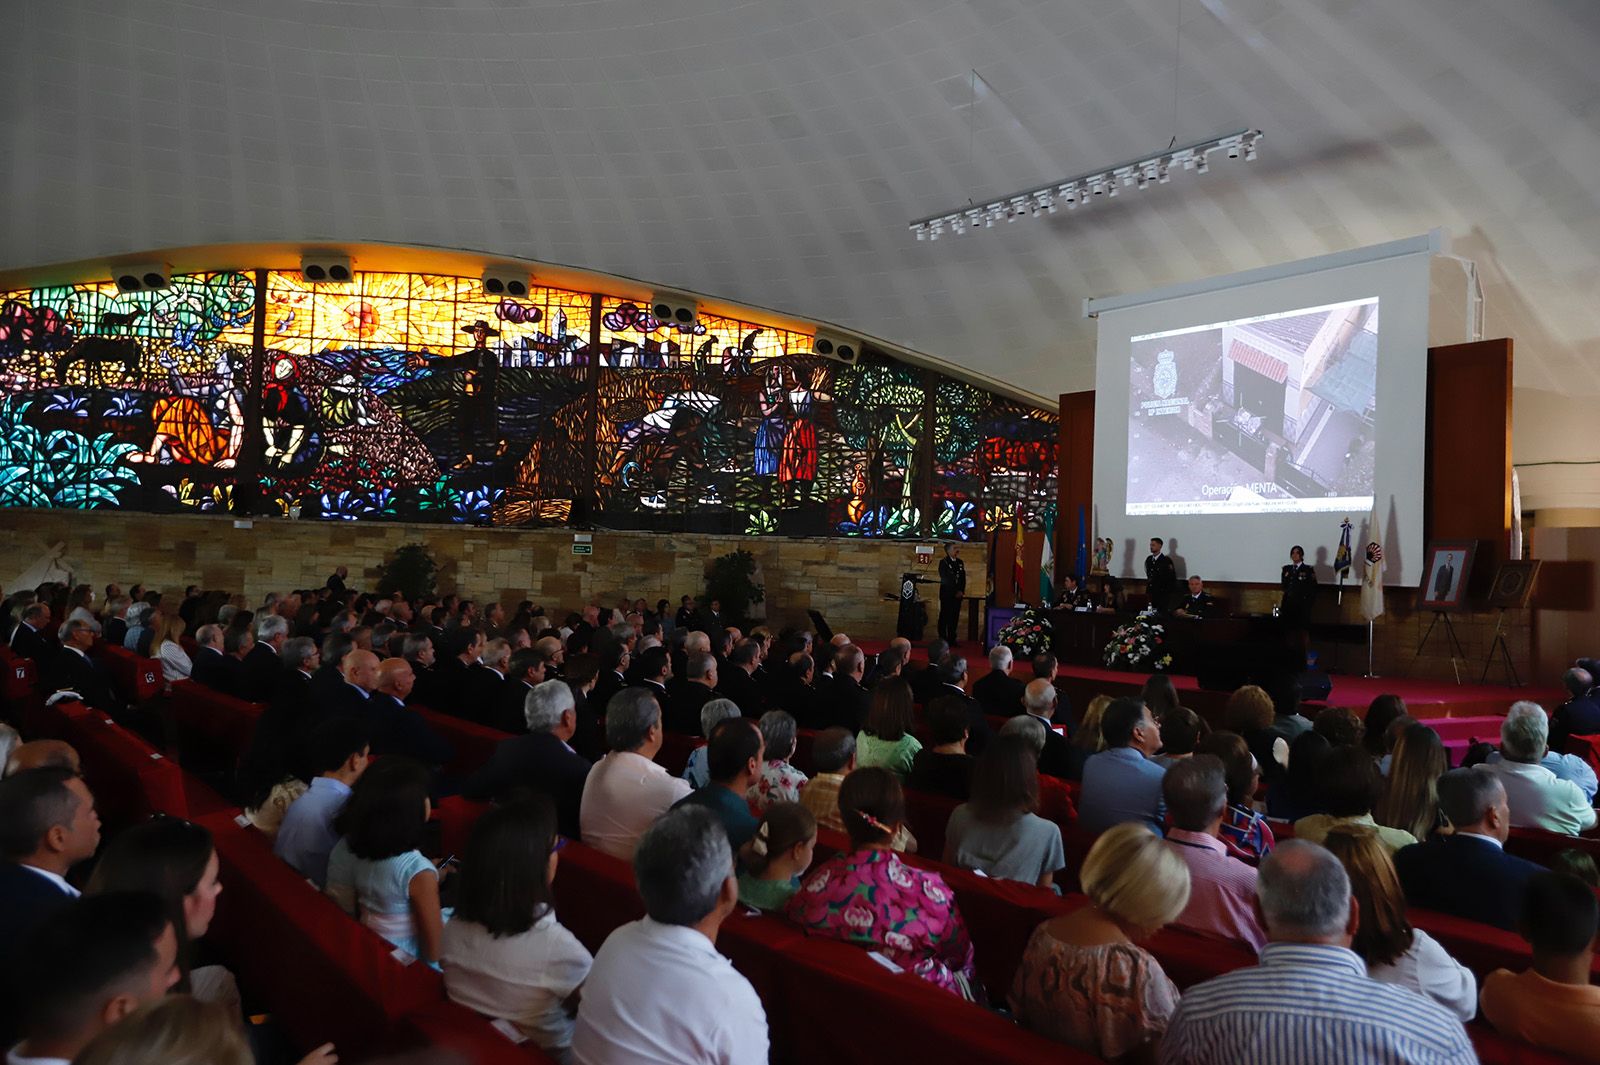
(1165, 381)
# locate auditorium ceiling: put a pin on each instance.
(772, 153)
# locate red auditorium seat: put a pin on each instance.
(453, 1028)
(928, 814)
(675, 750)
(212, 723)
(801, 760)
(137, 679)
(1480, 947)
(324, 974)
(456, 817)
(1540, 846)
(1587, 748)
(130, 779)
(473, 743)
(21, 680)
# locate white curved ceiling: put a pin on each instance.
(772, 152)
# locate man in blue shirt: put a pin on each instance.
(1121, 783)
(735, 757)
(340, 748)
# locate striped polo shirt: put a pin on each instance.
(1310, 1004)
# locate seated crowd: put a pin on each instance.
(105, 940)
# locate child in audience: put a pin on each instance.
(505, 955)
(776, 857)
(177, 861)
(376, 870)
(1552, 1005)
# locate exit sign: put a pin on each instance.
(583, 549)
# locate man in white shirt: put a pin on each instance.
(340, 749)
(88, 967)
(626, 790)
(711, 1015)
(1538, 798)
(48, 824)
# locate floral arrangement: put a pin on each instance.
(1027, 633)
(1138, 645)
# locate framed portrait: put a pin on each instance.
(1513, 584)
(1444, 578)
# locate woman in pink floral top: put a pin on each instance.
(871, 897)
(779, 781)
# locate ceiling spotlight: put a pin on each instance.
(1141, 172)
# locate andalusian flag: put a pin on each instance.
(1016, 558)
(1047, 560)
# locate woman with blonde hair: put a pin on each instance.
(1087, 740)
(1410, 797)
(167, 646)
(1395, 952)
(174, 1030)
(1084, 980)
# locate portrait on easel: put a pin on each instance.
(1513, 584)
(1444, 582)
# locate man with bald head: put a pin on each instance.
(393, 727)
(43, 754)
(1039, 701)
(359, 672)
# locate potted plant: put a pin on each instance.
(411, 572)
(731, 580)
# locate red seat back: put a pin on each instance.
(474, 744)
(210, 721)
(928, 814)
(469, 1038)
(137, 679)
(130, 779)
(675, 750)
(456, 817)
(1480, 947)
(801, 760)
(1539, 846)
(1587, 748)
(21, 679)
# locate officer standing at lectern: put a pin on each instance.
(1160, 577)
(1299, 590)
(952, 585)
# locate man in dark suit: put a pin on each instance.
(73, 670)
(418, 649)
(1444, 578)
(1299, 583)
(30, 639)
(455, 671)
(1160, 577)
(48, 824)
(924, 679)
(952, 680)
(844, 702)
(542, 760)
(396, 729)
(688, 695)
(710, 619)
(280, 746)
(1046, 667)
(358, 676)
(116, 620)
(264, 664)
(997, 691)
(738, 682)
(1468, 874)
(213, 667)
(526, 669)
(1039, 700)
(1580, 714)
(952, 586)
(686, 612)
(336, 582)
(487, 685)
(655, 670)
(1199, 603)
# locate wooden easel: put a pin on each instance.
(1499, 644)
(1457, 653)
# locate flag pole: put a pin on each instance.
(1369, 673)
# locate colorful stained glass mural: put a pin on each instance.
(416, 397)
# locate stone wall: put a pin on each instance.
(844, 579)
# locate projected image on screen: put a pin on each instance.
(1260, 415)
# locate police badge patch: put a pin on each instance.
(1166, 375)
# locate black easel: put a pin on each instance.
(1499, 644)
(1457, 654)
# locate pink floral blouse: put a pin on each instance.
(778, 782)
(872, 898)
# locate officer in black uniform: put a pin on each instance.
(1073, 594)
(952, 585)
(1199, 603)
(1299, 590)
(1160, 577)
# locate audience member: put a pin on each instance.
(176, 1030)
(1537, 797)
(1395, 952)
(778, 855)
(778, 781)
(1088, 740)
(714, 712)
(261, 667)
(1580, 714)
(1348, 787)
(541, 761)
(48, 824)
(1160, 695)
(688, 693)
(833, 757)
(869, 896)
(1121, 783)
(1553, 1004)
(1381, 713)
(1180, 731)
(340, 749)
(31, 639)
(1294, 792)
(525, 669)
(887, 739)
(952, 674)
(395, 727)
(1222, 899)
(1287, 721)
(1039, 701)
(1340, 726)
(944, 767)
(376, 870)
(43, 754)
(1576, 863)
(279, 749)
(1304, 896)
(168, 646)
(1410, 799)
(212, 666)
(87, 967)
(177, 861)
(1244, 830)
(1467, 872)
(71, 669)
(1249, 713)
(737, 680)
(997, 691)
(626, 790)
(1084, 980)
(998, 831)
(684, 869)
(505, 954)
(734, 757)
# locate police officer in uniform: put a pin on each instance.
(1160, 577)
(952, 585)
(1299, 589)
(1199, 603)
(1073, 594)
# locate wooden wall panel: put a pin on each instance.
(1469, 451)
(1075, 477)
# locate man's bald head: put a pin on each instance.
(396, 678)
(360, 668)
(42, 754)
(1040, 697)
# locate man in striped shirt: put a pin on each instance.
(1309, 1001)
